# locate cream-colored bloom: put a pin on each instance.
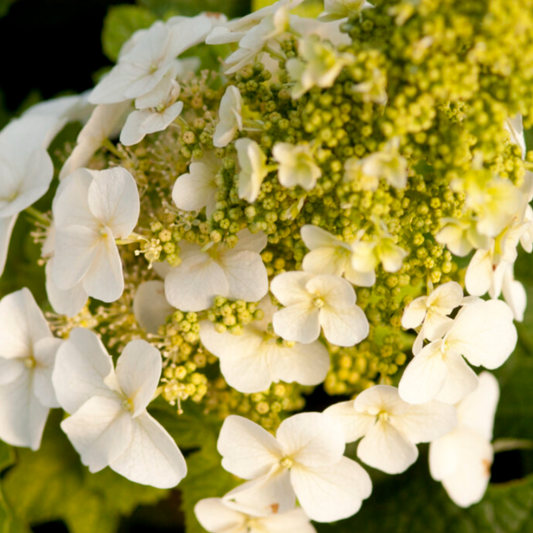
(329, 255)
(234, 30)
(197, 189)
(148, 59)
(63, 109)
(230, 117)
(341, 9)
(150, 305)
(461, 459)
(432, 311)
(218, 515)
(314, 302)
(297, 165)
(252, 361)
(254, 169)
(320, 66)
(105, 122)
(461, 236)
(389, 254)
(304, 460)
(483, 333)
(326, 31)
(27, 356)
(387, 164)
(515, 127)
(109, 424)
(514, 294)
(494, 200)
(381, 249)
(26, 171)
(390, 428)
(237, 273)
(155, 110)
(93, 209)
(257, 38)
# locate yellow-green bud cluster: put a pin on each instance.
(181, 339)
(232, 316)
(437, 77)
(267, 408)
(183, 382)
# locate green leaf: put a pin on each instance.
(413, 503)
(8, 522)
(4, 6)
(52, 484)
(310, 8)
(120, 24)
(192, 429)
(125, 495)
(515, 409)
(7, 456)
(205, 479)
(162, 8)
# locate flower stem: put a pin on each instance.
(275, 54)
(112, 148)
(37, 215)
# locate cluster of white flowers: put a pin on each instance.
(439, 398)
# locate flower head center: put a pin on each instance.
(286, 462)
(127, 404)
(29, 362)
(318, 302)
(383, 416)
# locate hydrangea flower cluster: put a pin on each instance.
(339, 206)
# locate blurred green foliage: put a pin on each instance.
(413, 503)
(309, 8)
(52, 484)
(120, 24)
(162, 8)
(4, 6)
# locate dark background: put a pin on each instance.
(50, 47)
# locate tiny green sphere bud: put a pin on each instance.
(185, 326)
(180, 372)
(169, 248)
(231, 241)
(174, 260)
(400, 359)
(189, 137)
(220, 301)
(215, 236)
(218, 216)
(228, 163)
(165, 235)
(199, 123)
(230, 320)
(250, 211)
